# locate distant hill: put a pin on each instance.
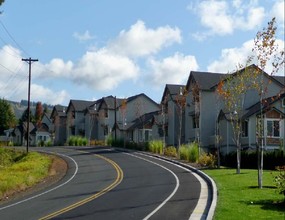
(20, 107)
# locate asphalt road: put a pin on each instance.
(103, 183)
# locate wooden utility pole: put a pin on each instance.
(29, 61)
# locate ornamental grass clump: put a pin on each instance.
(77, 141)
(156, 146)
(189, 152)
(170, 151)
(207, 160)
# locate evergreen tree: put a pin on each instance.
(7, 116)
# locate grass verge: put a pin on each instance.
(22, 174)
(239, 197)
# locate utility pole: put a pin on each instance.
(29, 61)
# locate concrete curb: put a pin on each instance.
(212, 193)
(208, 213)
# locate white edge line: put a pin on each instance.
(170, 196)
(45, 192)
(198, 212)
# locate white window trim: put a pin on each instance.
(272, 119)
(283, 102)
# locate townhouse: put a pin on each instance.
(187, 113)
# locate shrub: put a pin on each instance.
(155, 146)
(189, 152)
(99, 142)
(194, 152)
(170, 151)
(271, 159)
(48, 143)
(77, 141)
(207, 160)
(183, 152)
(279, 180)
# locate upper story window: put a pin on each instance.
(244, 128)
(106, 113)
(283, 102)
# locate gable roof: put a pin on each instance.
(79, 105)
(60, 110)
(173, 90)
(131, 98)
(267, 103)
(205, 80)
(280, 79)
(143, 120)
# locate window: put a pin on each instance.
(244, 128)
(106, 113)
(106, 130)
(273, 128)
(195, 121)
(145, 135)
(283, 102)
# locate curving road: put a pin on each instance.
(103, 183)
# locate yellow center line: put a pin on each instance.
(118, 180)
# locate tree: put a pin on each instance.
(39, 113)
(180, 101)
(7, 116)
(267, 55)
(233, 90)
(24, 117)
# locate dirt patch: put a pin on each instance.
(57, 171)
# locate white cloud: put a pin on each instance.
(103, 70)
(83, 37)
(41, 93)
(172, 70)
(141, 41)
(277, 11)
(224, 17)
(231, 58)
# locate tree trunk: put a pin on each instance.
(238, 158)
(260, 164)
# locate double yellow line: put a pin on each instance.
(117, 181)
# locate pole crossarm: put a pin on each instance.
(29, 61)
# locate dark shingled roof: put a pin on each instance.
(173, 89)
(280, 79)
(267, 103)
(205, 80)
(143, 120)
(80, 105)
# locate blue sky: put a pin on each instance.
(89, 49)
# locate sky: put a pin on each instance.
(92, 48)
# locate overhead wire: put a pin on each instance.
(13, 39)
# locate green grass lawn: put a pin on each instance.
(19, 171)
(240, 198)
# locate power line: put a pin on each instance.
(13, 39)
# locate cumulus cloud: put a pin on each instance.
(83, 37)
(277, 11)
(103, 70)
(172, 70)
(224, 17)
(140, 40)
(40, 93)
(231, 58)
